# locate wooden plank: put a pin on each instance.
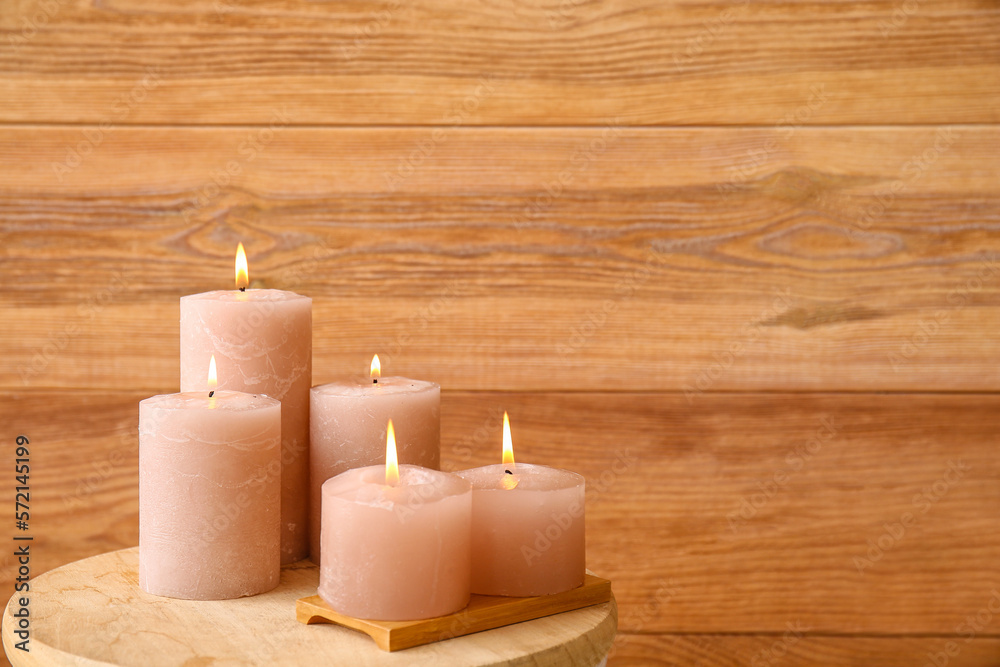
(741, 513)
(795, 648)
(447, 62)
(833, 259)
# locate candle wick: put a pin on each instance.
(508, 472)
(243, 289)
(211, 393)
(374, 380)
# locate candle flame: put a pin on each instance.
(508, 446)
(376, 371)
(213, 376)
(509, 480)
(242, 269)
(391, 464)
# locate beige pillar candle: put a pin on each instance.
(527, 527)
(395, 542)
(209, 493)
(347, 430)
(262, 341)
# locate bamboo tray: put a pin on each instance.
(92, 612)
(484, 612)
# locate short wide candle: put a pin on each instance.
(347, 430)
(397, 552)
(527, 529)
(209, 495)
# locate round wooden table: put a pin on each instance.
(92, 612)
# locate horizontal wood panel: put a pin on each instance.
(803, 649)
(512, 259)
(665, 480)
(455, 62)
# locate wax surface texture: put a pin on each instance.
(262, 342)
(528, 539)
(396, 553)
(209, 495)
(347, 430)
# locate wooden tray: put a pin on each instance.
(92, 612)
(484, 612)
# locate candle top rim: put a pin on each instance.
(388, 385)
(225, 400)
(254, 295)
(530, 477)
(366, 486)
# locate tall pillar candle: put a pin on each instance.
(262, 341)
(527, 527)
(347, 430)
(395, 548)
(209, 493)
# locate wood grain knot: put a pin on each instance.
(808, 318)
(821, 241)
(801, 185)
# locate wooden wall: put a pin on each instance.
(738, 263)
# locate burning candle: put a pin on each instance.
(209, 494)
(346, 424)
(395, 541)
(262, 340)
(527, 527)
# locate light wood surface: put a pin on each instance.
(93, 612)
(484, 612)
(565, 62)
(641, 276)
